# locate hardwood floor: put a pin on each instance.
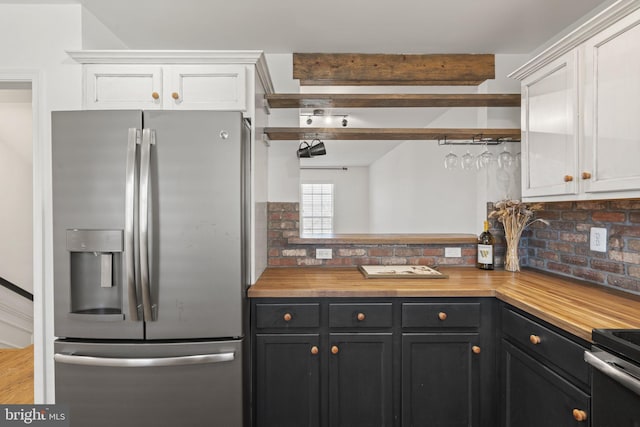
(16, 376)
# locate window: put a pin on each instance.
(317, 208)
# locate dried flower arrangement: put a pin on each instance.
(515, 216)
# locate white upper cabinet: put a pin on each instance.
(581, 111)
(170, 80)
(549, 129)
(612, 108)
(190, 87)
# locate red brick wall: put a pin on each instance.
(284, 223)
(563, 246)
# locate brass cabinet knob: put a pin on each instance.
(568, 178)
(175, 95)
(361, 316)
(287, 317)
(334, 349)
(442, 315)
(476, 350)
(534, 339)
(586, 175)
(579, 415)
(155, 95)
(315, 350)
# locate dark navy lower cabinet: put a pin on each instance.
(374, 362)
(544, 379)
(287, 380)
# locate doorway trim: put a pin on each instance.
(43, 350)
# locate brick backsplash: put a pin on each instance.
(284, 223)
(562, 247)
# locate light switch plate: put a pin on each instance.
(598, 240)
(324, 253)
(452, 252)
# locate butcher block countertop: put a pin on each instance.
(570, 305)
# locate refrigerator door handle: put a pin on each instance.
(148, 138)
(112, 362)
(129, 223)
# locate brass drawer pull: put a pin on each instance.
(361, 317)
(534, 339)
(287, 317)
(442, 315)
(335, 349)
(155, 95)
(568, 178)
(586, 175)
(315, 350)
(476, 350)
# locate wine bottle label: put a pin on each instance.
(485, 254)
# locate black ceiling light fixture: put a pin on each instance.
(316, 148)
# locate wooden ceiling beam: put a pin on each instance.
(353, 69)
(400, 100)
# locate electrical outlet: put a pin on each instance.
(324, 253)
(452, 252)
(598, 241)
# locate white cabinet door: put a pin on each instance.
(612, 108)
(206, 87)
(122, 86)
(549, 124)
(169, 87)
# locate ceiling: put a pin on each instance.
(362, 26)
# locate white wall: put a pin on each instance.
(351, 196)
(16, 183)
(33, 41)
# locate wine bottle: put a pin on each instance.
(486, 243)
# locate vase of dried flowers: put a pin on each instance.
(515, 216)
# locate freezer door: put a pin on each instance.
(151, 385)
(195, 218)
(90, 153)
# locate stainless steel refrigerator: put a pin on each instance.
(149, 244)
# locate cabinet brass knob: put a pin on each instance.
(568, 178)
(287, 317)
(314, 349)
(442, 315)
(586, 175)
(175, 95)
(579, 415)
(334, 349)
(476, 349)
(155, 95)
(534, 339)
(361, 316)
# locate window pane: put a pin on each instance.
(317, 208)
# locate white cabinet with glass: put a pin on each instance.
(580, 109)
(611, 97)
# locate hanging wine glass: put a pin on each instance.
(505, 159)
(467, 160)
(485, 158)
(450, 161)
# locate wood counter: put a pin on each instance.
(575, 307)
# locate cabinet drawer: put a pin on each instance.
(360, 315)
(537, 339)
(287, 315)
(440, 315)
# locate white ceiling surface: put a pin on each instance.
(365, 26)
